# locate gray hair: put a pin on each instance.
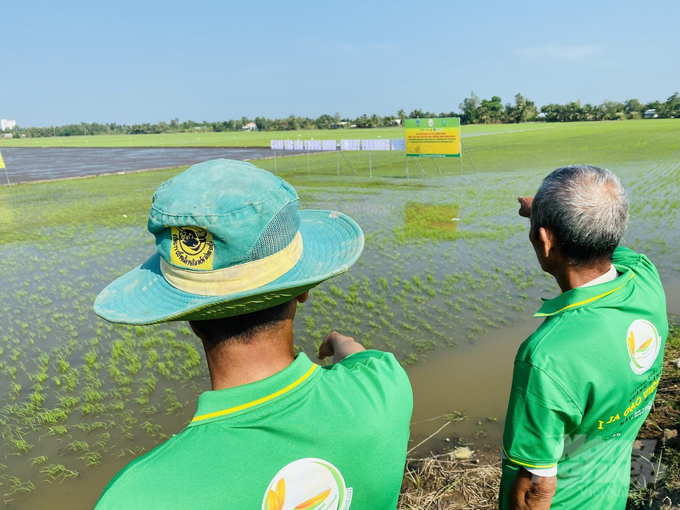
(586, 207)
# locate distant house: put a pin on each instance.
(6, 124)
(251, 126)
(650, 114)
(7, 135)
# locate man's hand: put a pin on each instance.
(532, 492)
(525, 206)
(339, 346)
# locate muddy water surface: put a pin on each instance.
(39, 164)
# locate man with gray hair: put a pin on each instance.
(585, 381)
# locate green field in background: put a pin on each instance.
(239, 139)
(606, 144)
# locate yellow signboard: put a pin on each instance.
(433, 138)
(2, 163)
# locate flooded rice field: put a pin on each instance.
(448, 283)
(40, 164)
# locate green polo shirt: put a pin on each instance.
(584, 383)
(307, 437)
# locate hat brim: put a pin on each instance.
(331, 242)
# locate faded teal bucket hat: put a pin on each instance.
(230, 240)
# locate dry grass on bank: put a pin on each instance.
(444, 482)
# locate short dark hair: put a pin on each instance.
(587, 209)
(242, 328)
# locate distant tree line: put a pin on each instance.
(473, 110)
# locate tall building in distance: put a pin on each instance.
(7, 124)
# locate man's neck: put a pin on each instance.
(234, 363)
(569, 277)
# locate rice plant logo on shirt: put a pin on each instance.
(192, 247)
(309, 484)
(644, 344)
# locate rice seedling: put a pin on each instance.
(19, 445)
(117, 406)
(15, 389)
(57, 430)
(51, 416)
(91, 459)
(151, 429)
(87, 408)
(149, 410)
(53, 472)
(173, 405)
(103, 440)
(68, 401)
(16, 486)
(36, 461)
(78, 446)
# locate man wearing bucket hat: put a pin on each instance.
(234, 257)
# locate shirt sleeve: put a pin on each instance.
(382, 372)
(625, 257)
(540, 415)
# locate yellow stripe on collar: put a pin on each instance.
(586, 301)
(262, 400)
(235, 279)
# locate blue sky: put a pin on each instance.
(146, 61)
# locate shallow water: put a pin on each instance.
(453, 306)
(39, 164)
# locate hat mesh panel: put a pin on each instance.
(278, 234)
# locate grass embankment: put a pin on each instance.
(446, 482)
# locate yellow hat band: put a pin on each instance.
(235, 279)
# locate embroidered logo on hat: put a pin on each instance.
(192, 247)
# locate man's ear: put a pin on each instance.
(303, 297)
(547, 240)
(195, 328)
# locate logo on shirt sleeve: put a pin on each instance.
(644, 345)
(308, 484)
